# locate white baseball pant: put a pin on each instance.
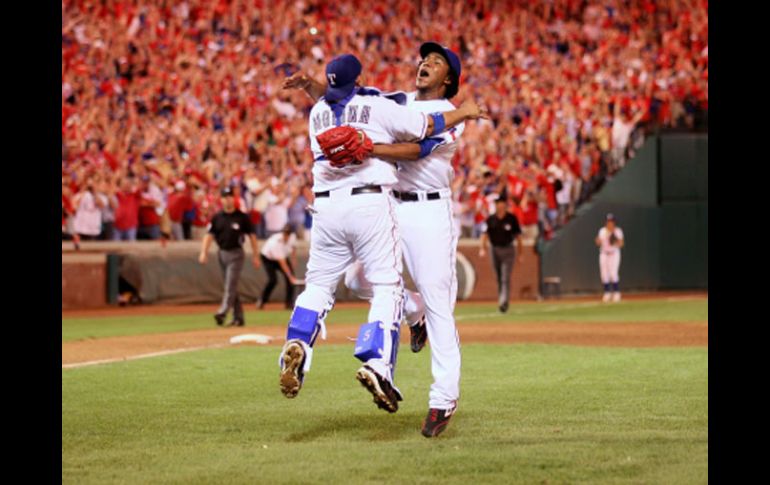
(429, 242)
(356, 227)
(609, 265)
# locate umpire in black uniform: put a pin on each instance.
(229, 227)
(502, 228)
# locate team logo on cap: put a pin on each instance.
(236, 226)
(332, 76)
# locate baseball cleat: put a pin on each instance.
(291, 370)
(616, 297)
(220, 319)
(418, 335)
(385, 396)
(606, 297)
(436, 421)
(236, 323)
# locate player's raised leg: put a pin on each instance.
(378, 248)
(330, 254)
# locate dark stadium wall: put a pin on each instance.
(660, 200)
(172, 275)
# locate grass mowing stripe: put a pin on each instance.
(528, 414)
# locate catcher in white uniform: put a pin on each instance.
(354, 219)
(610, 240)
(429, 237)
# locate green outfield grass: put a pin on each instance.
(467, 313)
(528, 414)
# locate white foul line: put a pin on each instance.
(141, 356)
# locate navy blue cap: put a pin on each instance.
(341, 74)
(451, 58)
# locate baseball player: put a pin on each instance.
(354, 218)
(610, 240)
(428, 235)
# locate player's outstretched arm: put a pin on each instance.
(300, 80)
(469, 110)
(412, 151)
(398, 151)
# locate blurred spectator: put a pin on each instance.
(67, 211)
(296, 211)
(87, 223)
(277, 211)
(205, 208)
(150, 210)
(179, 201)
(127, 211)
(622, 126)
(106, 193)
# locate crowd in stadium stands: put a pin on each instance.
(164, 103)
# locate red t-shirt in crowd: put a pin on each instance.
(549, 191)
(178, 203)
(202, 210)
(148, 216)
(67, 209)
(127, 213)
(529, 213)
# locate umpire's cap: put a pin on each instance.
(341, 73)
(451, 58)
(227, 192)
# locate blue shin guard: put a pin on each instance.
(303, 326)
(370, 343)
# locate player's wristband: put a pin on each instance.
(438, 123)
(427, 145)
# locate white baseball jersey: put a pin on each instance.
(604, 239)
(434, 171)
(383, 120)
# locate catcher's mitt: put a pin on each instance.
(344, 145)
